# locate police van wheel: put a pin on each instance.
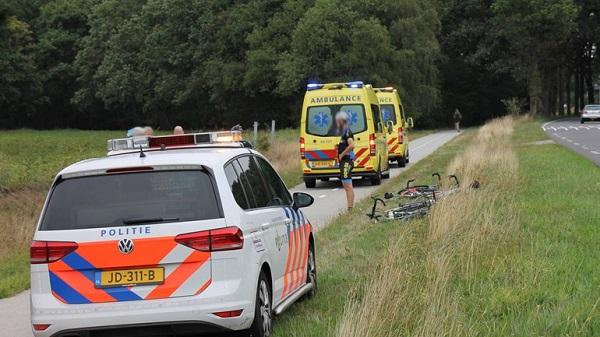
(262, 326)
(401, 162)
(310, 182)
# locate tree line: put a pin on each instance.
(103, 64)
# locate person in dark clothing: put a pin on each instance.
(346, 155)
(457, 117)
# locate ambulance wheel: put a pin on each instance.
(262, 326)
(376, 179)
(401, 162)
(310, 182)
(311, 271)
(324, 179)
(407, 157)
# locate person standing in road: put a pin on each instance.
(346, 155)
(457, 117)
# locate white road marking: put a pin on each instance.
(576, 144)
(570, 141)
(335, 189)
(322, 196)
(544, 126)
(573, 127)
(585, 147)
(595, 152)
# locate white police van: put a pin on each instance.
(170, 235)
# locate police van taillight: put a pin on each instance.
(400, 135)
(214, 240)
(50, 251)
(372, 146)
(302, 148)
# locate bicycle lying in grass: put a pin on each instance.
(414, 200)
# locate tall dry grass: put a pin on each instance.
(284, 155)
(414, 292)
(19, 210)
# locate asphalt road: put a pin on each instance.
(583, 138)
(330, 200)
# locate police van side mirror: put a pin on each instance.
(302, 200)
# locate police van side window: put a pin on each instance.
(376, 117)
(253, 182)
(279, 193)
(235, 183)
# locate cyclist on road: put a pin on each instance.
(346, 156)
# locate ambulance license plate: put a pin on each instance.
(129, 277)
(323, 163)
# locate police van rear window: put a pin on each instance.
(131, 198)
(321, 119)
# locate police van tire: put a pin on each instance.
(262, 326)
(310, 182)
(401, 162)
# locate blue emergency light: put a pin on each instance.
(317, 86)
(355, 84)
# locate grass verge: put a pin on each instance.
(516, 258)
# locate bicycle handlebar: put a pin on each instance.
(435, 174)
(409, 182)
(452, 176)
(375, 201)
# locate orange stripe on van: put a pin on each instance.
(287, 267)
(392, 140)
(299, 257)
(364, 161)
(304, 255)
(105, 254)
(179, 275)
(80, 283)
(204, 286)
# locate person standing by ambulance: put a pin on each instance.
(346, 155)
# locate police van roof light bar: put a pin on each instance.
(171, 141)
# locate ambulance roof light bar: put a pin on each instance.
(386, 89)
(352, 85)
(130, 144)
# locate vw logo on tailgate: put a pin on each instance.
(125, 246)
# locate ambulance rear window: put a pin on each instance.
(389, 113)
(321, 119)
(131, 198)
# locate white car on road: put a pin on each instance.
(170, 235)
(590, 113)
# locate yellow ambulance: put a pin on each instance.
(396, 124)
(319, 135)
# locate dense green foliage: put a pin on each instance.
(214, 63)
